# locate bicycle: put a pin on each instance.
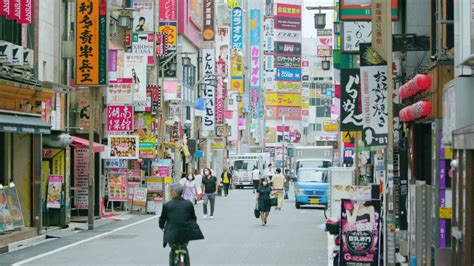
(180, 255)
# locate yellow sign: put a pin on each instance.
(237, 85)
(288, 86)
(90, 42)
(171, 33)
(330, 126)
(274, 99)
(348, 136)
(445, 213)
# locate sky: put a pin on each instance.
(308, 29)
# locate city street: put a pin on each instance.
(234, 237)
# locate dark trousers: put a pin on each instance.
(226, 189)
(287, 189)
(187, 260)
(256, 183)
(212, 198)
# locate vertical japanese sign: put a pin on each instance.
(119, 91)
(237, 42)
(26, 11)
(81, 175)
(354, 33)
(360, 222)
(255, 63)
(208, 10)
(380, 20)
(168, 25)
(91, 65)
(374, 104)
(135, 68)
(222, 70)
(351, 112)
(120, 118)
(143, 19)
(4, 7)
(208, 69)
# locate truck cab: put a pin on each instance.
(311, 185)
(243, 167)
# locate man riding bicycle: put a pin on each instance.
(178, 220)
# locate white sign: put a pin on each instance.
(268, 35)
(354, 33)
(208, 69)
(144, 44)
(119, 92)
(11, 54)
(135, 68)
(287, 36)
(374, 105)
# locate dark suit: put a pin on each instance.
(179, 221)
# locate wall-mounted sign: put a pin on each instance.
(208, 69)
(208, 10)
(120, 118)
(144, 44)
(143, 19)
(91, 37)
(354, 33)
(288, 10)
(287, 36)
(351, 111)
(288, 74)
(287, 23)
(288, 48)
(361, 9)
(287, 61)
(123, 147)
(237, 31)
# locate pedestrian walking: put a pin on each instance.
(278, 185)
(263, 200)
(255, 178)
(226, 178)
(209, 186)
(269, 172)
(190, 188)
(287, 183)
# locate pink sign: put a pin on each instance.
(163, 171)
(289, 10)
(15, 10)
(54, 191)
(26, 13)
(168, 10)
(120, 118)
(221, 91)
(4, 7)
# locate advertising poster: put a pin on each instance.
(139, 197)
(270, 135)
(6, 221)
(55, 185)
(237, 63)
(288, 74)
(360, 222)
(351, 110)
(237, 28)
(144, 44)
(374, 105)
(208, 34)
(147, 146)
(91, 52)
(131, 186)
(208, 69)
(135, 68)
(120, 91)
(120, 118)
(14, 207)
(123, 147)
(143, 16)
(170, 30)
(117, 186)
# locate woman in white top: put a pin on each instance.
(189, 188)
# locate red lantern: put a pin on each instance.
(415, 111)
(419, 83)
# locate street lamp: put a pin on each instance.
(337, 27)
(125, 18)
(326, 64)
(186, 61)
(320, 20)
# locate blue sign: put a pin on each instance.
(237, 35)
(254, 26)
(288, 74)
(199, 154)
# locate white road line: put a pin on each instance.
(81, 242)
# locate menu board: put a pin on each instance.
(81, 178)
(55, 184)
(10, 211)
(117, 186)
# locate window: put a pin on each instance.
(313, 101)
(10, 31)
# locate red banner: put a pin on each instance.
(168, 10)
(15, 10)
(4, 7)
(26, 12)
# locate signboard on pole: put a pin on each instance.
(380, 20)
(208, 69)
(351, 112)
(208, 10)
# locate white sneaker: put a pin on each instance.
(212, 217)
(205, 216)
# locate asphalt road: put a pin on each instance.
(234, 237)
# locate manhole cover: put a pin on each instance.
(120, 236)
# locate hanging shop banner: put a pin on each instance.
(117, 186)
(288, 48)
(255, 68)
(14, 207)
(374, 104)
(288, 74)
(81, 178)
(168, 10)
(144, 44)
(222, 70)
(351, 111)
(208, 32)
(208, 69)
(277, 112)
(171, 32)
(237, 37)
(143, 19)
(288, 10)
(91, 38)
(287, 61)
(237, 63)
(120, 91)
(55, 185)
(123, 147)
(274, 99)
(269, 12)
(120, 118)
(354, 33)
(147, 146)
(254, 26)
(360, 222)
(161, 44)
(287, 36)
(287, 23)
(268, 35)
(4, 10)
(361, 9)
(26, 11)
(153, 93)
(135, 68)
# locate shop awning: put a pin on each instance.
(84, 144)
(23, 124)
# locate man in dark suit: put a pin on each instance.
(178, 220)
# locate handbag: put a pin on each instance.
(256, 211)
(273, 201)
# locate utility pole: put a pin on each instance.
(90, 187)
(283, 145)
